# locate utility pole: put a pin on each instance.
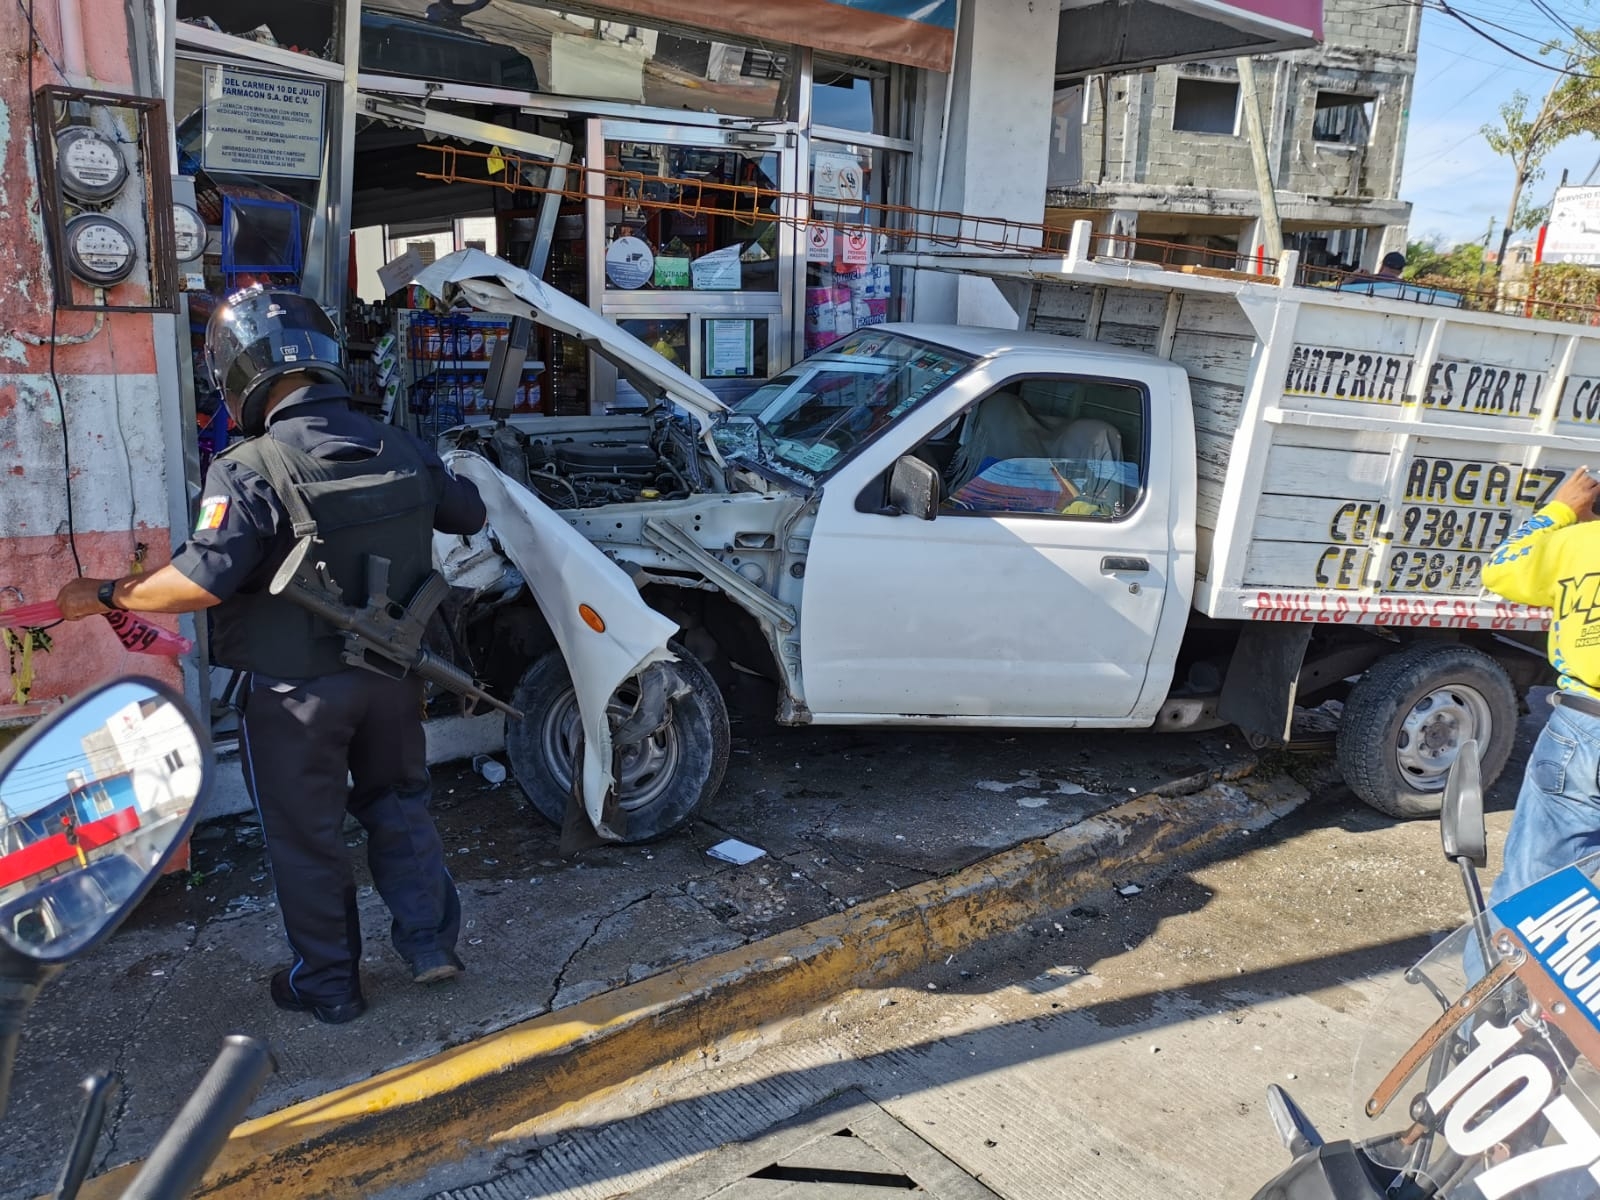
(1483, 261)
(1272, 230)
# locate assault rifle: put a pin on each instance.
(385, 633)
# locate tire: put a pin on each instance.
(667, 775)
(1406, 719)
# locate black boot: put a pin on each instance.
(286, 998)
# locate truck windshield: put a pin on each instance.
(809, 418)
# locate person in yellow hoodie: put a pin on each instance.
(1553, 561)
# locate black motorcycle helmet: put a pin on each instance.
(259, 336)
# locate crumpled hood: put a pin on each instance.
(565, 570)
(493, 285)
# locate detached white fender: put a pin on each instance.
(564, 571)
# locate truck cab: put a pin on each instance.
(1049, 584)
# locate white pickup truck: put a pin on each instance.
(1177, 501)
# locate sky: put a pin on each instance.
(1454, 182)
(39, 775)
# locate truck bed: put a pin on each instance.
(1359, 459)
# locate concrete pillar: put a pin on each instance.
(998, 150)
(95, 413)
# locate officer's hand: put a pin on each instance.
(78, 600)
(1578, 492)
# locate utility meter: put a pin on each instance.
(100, 249)
(91, 165)
(190, 233)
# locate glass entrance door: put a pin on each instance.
(692, 247)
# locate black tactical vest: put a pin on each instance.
(383, 505)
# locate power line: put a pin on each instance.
(1445, 8)
(27, 15)
(1564, 23)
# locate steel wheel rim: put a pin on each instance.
(1433, 732)
(648, 765)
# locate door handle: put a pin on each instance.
(1112, 565)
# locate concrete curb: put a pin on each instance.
(399, 1125)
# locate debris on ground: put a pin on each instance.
(734, 851)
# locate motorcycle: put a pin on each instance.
(1500, 1094)
(94, 801)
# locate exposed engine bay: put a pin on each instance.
(654, 457)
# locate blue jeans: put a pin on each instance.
(1557, 821)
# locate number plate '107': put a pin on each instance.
(1488, 1099)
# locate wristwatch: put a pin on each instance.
(107, 595)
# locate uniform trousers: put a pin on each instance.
(304, 741)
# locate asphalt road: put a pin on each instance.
(1121, 1049)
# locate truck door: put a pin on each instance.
(1037, 590)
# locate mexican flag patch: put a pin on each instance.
(213, 512)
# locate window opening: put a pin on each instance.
(1342, 118)
(1206, 106)
(1048, 446)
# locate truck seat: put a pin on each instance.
(1098, 444)
(1001, 427)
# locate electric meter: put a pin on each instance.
(190, 233)
(100, 250)
(91, 165)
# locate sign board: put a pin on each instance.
(915, 33)
(398, 272)
(1066, 137)
(819, 243)
(1573, 235)
(730, 349)
(837, 182)
(257, 124)
(719, 271)
(630, 263)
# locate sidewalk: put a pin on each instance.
(844, 816)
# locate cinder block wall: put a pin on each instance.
(1367, 52)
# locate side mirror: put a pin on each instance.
(93, 800)
(913, 489)
(1461, 815)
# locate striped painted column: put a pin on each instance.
(95, 422)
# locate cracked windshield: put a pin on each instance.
(811, 417)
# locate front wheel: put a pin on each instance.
(1406, 720)
(663, 774)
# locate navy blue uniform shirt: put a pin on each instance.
(244, 533)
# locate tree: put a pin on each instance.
(1454, 267)
(1570, 107)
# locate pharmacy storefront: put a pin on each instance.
(721, 177)
(718, 188)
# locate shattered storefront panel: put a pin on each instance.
(1106, 36)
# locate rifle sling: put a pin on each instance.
(288, 492)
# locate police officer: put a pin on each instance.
(309, 718)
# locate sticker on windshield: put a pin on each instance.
(1559, 920)
(813, 458)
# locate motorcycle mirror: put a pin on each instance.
(93, 800)
(1461, 825)
(1295, 1130)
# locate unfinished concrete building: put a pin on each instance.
(1165, 154)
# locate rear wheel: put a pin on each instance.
(1406, 720)
(663, 775)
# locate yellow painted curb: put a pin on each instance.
(401, 1124)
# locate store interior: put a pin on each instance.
(708, 276)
